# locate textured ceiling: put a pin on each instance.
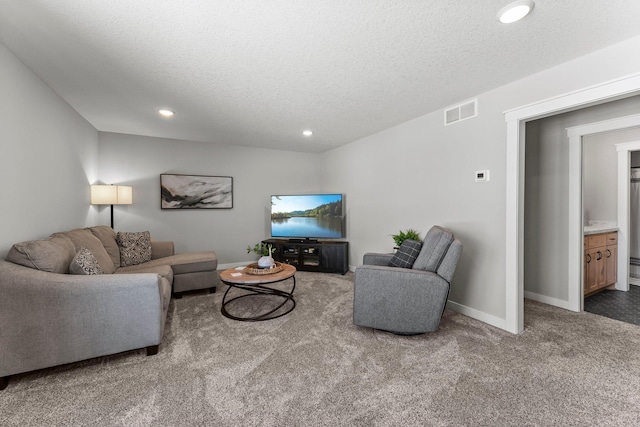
(258, 72)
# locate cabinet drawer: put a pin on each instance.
(612, 239)
(596, 240)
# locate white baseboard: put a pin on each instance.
(547, 300)
(478, 315)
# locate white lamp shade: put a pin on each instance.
(111, 195)
(125, 195)
(104, 194)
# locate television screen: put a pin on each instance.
(318, 216)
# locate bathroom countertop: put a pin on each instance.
(597, 227)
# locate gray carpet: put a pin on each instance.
(313, 367)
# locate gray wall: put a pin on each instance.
(600, 172)
(421, 173)
(48, 158)
(257, 174)
(547, 190)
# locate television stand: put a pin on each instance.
(305, 240)
(312, 255)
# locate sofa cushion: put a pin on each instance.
(406, 255)
(107, 237)
(83, 238)
(435, 246)
(162, 270)
(191, 262)
(53, 254)
(85, 263)
(135, 247)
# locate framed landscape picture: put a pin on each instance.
(195, 192)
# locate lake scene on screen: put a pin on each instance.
(317, 216)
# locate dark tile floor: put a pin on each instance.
(619, 305)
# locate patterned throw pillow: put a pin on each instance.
(135, 248)
(406, 255)
(85, 263)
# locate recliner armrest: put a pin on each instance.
(398, 277)
(376, 259)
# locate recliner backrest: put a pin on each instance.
(435, 246)
(448, 265)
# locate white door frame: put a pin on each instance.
(576, 248)
(516, 119)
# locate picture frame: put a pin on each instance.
(178, 191)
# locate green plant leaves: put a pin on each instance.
(410, 233)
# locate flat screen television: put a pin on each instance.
(307, 216)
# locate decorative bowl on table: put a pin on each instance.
(257, 270)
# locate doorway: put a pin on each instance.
(614, 130)
(634, 218)
(552, 194)
(611, 197)
(516, 120)
(623, 303)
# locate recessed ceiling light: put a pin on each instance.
(307, 132)
(515, 11)
(166, 113)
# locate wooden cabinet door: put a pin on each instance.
(600, 261)
(588, 273)
(335, 258)
(595, 266)
(611, 261)
(601, 266)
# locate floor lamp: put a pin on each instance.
(111, 195)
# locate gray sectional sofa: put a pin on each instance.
(53, 312)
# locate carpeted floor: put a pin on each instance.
(313, 367)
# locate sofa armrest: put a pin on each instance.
(49, 319)
(161, 249)
(376, 259)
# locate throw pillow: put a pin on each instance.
(135, 247)
(85, 263)
(406, 255)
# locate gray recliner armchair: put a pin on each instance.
(411, 299)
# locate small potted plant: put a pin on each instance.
(264, 250)
(404, 235)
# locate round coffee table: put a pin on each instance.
(255, 285)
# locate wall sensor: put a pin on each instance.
(482, 176)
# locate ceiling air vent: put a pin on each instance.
(460, 112)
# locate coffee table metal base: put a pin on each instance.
(259, 290)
